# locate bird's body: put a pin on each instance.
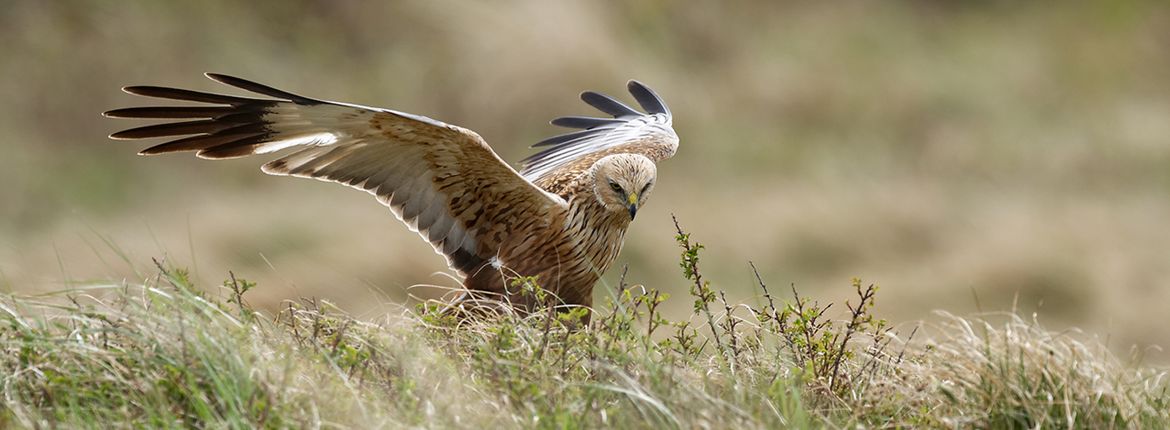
(562, 219)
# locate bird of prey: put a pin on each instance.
(561, 218)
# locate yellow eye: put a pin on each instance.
(615, 186)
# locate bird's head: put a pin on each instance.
(623, 182)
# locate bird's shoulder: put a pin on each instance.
(569, 180)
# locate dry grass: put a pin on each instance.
(1015, 374)
(163, 354)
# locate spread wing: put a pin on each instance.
(443, 181)
(628, 131)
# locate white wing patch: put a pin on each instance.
(650, 133)
(315, 139)
(644, 127)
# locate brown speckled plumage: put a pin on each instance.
(562, 218)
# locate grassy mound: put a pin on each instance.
(166, 354)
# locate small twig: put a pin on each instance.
(239, 295)
(292, 322)
(339, 335)
(552, 312)
(622, 279)
(163, 272)
(316, 312)
(731, 324)
(652, 307)
(806, 331)
(691, 266)
(767, 295)
(906, 345)
(856, 318)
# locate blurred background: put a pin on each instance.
(966, 156)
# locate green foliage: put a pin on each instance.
(164, 354)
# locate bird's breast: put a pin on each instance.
(567, 257)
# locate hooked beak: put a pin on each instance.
(633, 200)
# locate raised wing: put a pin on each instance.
(628, 131)
(443, 181)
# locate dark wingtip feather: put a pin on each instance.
(170, 112)
(199, 143)
(242, 147)
(584, 122)
(646, 97)
(259, 88)
(608, 105)
(188, 95)
(169, 129)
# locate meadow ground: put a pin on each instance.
(165, 354)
